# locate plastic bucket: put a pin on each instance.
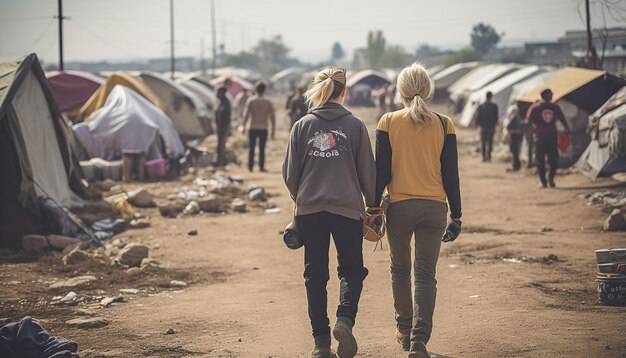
(156, 169)
(612, 289)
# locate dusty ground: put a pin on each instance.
(246, 295)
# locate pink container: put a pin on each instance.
(155, 169)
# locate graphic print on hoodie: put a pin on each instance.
(329, 165)
(328, 143)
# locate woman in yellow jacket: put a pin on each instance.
(416, 161)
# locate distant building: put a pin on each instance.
(577, 39)
(548, 53)
(615, 61)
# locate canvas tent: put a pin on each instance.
(287, 79)
(190, 116)
(578, 92)
(128, 122)
(98, 99)
(72, 88)
(501, 90)
(446, 77)
(370, 78)
(606, 154)
(36, 159)
(203, 92)
(475, 80)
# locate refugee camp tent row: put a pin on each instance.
(578, 92)
(204, 92)
(606, 154)
(286, 80)
(360, 85)
(190, 116)
(37, 164)
(475, 80)
(126, 79)
(72, 89)
(446, 77)
(501, 90)
(127, 122)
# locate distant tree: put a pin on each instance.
(484, 37)
(467, 54)
(243, 59)
(394, 57)
(375, 48)
(337, 52)
(273, 50)
(426, 50)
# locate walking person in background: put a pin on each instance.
(329, 168)
(222, 121)
(298, 106)
(381, 101)
(416, 162)
(487, 119)
(530, 141)
(259, 112)
(543, 116)
(515, 128)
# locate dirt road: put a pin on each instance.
(500, 293)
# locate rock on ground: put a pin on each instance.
(59, 242)
(132, 254)
(86, 323)
(35, 244)
(75, 256)
(239, 205)
(210, 204)
(73, 282)
(615, 221)
(257, 194)
(141, 198)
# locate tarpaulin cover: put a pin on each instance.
(128, 122)
(72, 88)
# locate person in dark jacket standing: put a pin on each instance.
(487, 119)
(298, 106)
(328, 169)
(417, 165)
(222, 120)
(543, 116)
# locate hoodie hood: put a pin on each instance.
(330, 111)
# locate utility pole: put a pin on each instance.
(202, 61)
(591, 51)
(214, 63)
(172, 61)
(61, 18)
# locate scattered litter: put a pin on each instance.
(453, 266)
(474, 296)
(273, 211)
(193, 232)
(130, 291)
(169, 331)
(108, 300)
(178, 284)
(546, 229)
(514, 260)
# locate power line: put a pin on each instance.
(97, 36)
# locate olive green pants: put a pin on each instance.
(426, 220)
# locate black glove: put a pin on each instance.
(453, 230)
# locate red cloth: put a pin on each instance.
(543, 117)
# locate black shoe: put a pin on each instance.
(543, 186)
(322, 348)
(342, 332)
(552, 184)
(404, 340)
(263, 170)
(418, 350)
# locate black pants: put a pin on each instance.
(347, 234)
(222, 134)
(546, 144)
(530, 143)
(515, 144)
(486, 139)
(253, 134)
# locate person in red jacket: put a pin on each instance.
(543, 116)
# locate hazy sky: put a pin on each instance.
(138, 29)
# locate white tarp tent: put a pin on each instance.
(501, 90)
(203, 92)
(128, 122)
(446, 77)
(190, 116)
(476, 80)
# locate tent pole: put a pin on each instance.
(172, 61)
(61, 18)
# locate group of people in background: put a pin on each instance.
(538, 126)
(255, 115)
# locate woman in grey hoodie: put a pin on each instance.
(328, 169)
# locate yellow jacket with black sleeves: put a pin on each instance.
(417, 165)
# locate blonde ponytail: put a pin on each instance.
(413, 87)
(327, 85)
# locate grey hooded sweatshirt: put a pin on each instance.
(329, 164)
